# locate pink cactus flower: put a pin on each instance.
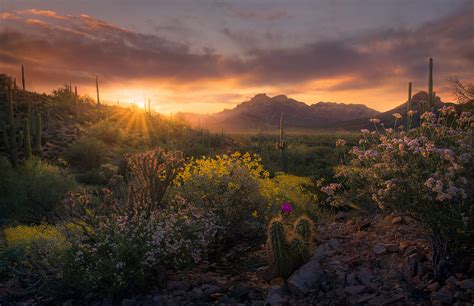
(286, 207)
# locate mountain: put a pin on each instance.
(387, 117)
(263, 112)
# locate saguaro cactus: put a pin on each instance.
(97, 89)
(430, 86)
(409, 97)
(38, 128)
(289, 248)
(282, 145)
(11, 125)
(26, 138)
(23, 77)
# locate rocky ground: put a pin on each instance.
(357, 261)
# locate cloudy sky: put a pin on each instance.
(207, 55)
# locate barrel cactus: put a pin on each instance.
(289, 246)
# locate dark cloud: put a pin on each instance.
(75, 48)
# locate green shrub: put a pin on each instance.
(12, 190)
(106, 132)
(32, 258)
(98, 176)
(33, 192)
(86, 153)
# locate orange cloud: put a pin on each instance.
(373, 68)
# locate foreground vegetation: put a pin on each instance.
(136, 195)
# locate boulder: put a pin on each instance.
(306, 278)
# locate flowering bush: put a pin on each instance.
(426, 172)
(122, 250)
(227, 186)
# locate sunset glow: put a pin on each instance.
(216, 69)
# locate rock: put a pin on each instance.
(335, 244)
(364, 225)
(307, 277)
(353, 290)
(379, 249)
(340, 216)
(392, 248)
(433, 286)
(451, 281)
(209, 289)
(444, 297)
(177, 285)
(467, 284)
(240, 292)
(409, 251)
(397, 220)
(463, 297)
(365, 276)
(350, 279)
(275, 296)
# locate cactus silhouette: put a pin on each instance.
(38, 149)
(289, 248)
(23, 77)
(282, 146)
(11, 131)
(26, 138)
(430, 86)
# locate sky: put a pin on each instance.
(207, 55)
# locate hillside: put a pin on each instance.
(263, 112)
(387, 117)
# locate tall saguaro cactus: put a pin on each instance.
(282, 145)
(97, 89)
(26, 138)
(11, 125)
(430, 86)
(23, 77)
(409, 97)
(38, 128)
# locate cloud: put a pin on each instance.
(62, 48)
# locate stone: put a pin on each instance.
(463, 297)
(397, 220)
(433, 286)
(442, 296)
(379, 249)
(451, 281)
(239, 292)
(365, 276)
(350, 279)
(275, 296)
(467, 284)
(335, 244)
(340, 216)
(308, 277)
(177, 285)
(391, 247)
(353, 290)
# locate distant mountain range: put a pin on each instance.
(263, 113)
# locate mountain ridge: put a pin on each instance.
(263, 112)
